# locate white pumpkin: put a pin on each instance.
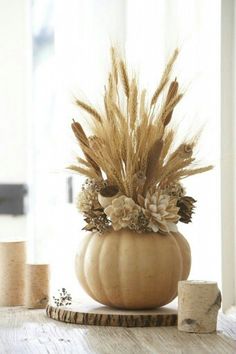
(128, 270)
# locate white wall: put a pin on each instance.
(228, 152)
(14, 95)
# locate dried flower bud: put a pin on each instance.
(186, 209)
(107, 195)
(186, 150)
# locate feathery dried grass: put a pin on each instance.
(130, 147)
(83, 171)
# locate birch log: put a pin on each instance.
(198, 306)
(12, 273)
(37, 286)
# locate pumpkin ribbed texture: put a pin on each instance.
(127, 270)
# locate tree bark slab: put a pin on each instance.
(104, 316)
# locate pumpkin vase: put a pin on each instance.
(128, 270)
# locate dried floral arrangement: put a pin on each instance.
(134, 174)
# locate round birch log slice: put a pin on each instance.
(104, 316)
(12, 273)
(198, 304)
(37, 286)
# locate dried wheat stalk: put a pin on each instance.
(165, 77)
(132, 104)
(89, 109)
(114, 65)
(128, 142)
(124, 78)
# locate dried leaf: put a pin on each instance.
(84, 144)
(153, 162)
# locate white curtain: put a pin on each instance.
(147, 31)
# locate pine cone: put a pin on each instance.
(186, 207)
(161, 211)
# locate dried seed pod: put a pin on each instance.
(107, 194)
(173, 89)
(186, 209)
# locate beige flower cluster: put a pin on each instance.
(123, 212)
(160, 211)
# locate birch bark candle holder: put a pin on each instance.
(12, 273)
(37, 286)
(198, 306)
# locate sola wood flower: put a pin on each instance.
(123, 212)
(161, 211)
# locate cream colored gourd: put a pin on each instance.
(128, 270)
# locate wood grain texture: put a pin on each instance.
(105, 316)
(25, 331)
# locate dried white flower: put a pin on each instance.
(161, 211)
(123, 212)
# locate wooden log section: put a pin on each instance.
(12, 273)
(198, 304)
(37, 286)
(103, 316)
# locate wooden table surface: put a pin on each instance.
(30, 331)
